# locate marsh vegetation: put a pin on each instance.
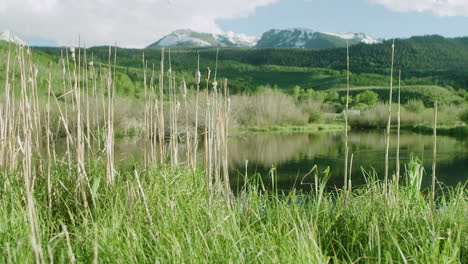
(72, 201)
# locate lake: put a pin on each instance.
(294, 154)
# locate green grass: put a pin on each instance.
(456, 131)
(365, 226)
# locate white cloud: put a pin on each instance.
(129, 23)
(438, 7)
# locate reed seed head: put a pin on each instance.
(184, 88)
(197, 77)
(72, 51)
(208, 73)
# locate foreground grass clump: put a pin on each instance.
(167, 219)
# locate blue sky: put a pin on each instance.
(138, 23)
(347, 16)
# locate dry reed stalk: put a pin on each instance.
(195, 136)
(147, 123)
(387, 147)
(82, 177)
(398, 131)
(350, 185)
(88, 118)
(434, 155)
(33, 71)
(187, 130)
(71, 256)
(103, 86)
(110, 122)
(95, 99)
(95, 246)
(346, 119)
(14, 123)
(173, 109)
(224, 141)
(6, 118)
(26, 149)
(215, 130)
(65, 118)
(160, 111)
(48, 138)
(208, 145)
(145, 203)
(153, 128)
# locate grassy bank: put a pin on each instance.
(162, 215)
(455, 131)
(324, 127)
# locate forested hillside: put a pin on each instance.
(425, 61)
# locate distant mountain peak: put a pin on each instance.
(191, 38)
(308, 38)
(282, 38)
(8, 35)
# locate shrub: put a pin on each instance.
(415, 106)
(368, 98)
(463, 115)
(270, 107)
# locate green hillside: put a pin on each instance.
(434, 64)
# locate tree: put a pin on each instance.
(368, 98)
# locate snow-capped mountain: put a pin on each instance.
(7, 35)
(284, 38)
(307, 38)
(190, 38)
(365, 38)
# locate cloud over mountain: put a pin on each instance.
(128, 23)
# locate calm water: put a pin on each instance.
(294, 154)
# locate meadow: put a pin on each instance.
(81, 207)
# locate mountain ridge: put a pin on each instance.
(191, 38)
(285, 38)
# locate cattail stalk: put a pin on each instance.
(224, 140)
(147, 123)
(79, 132)
(195, 136)
(48, 138)
(346, 119)
(187, 130)
(389, 116)
(434, 155)
(110, 126)
(160, 110)
(398, 131)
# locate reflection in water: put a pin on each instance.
(294, 154)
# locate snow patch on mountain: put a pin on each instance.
(240, 39)
(179, 37)
(187, 37)
(308, 38)
(365, 38)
